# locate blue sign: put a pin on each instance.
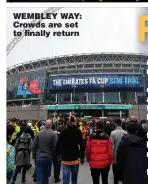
(96, 81)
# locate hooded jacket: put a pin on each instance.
(131, 160)
(23, 149)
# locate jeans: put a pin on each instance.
(18, 170)
(57, 168)
(73, 169)
(115, 173)
(95, 173)
(43, 169)
(9, 176)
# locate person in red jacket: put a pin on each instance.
(99, 154)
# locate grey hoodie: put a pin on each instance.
(23, 144)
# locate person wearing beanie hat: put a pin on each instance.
(70, 149)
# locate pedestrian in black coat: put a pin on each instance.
(108, 128)
(145, 138)
(131, 158)
(140, 131)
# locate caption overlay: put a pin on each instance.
(54, 25)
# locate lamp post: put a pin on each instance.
(137, 103)
(74, 93)
(55, 112)
(74, 98)
(91, 100)
(102, 87)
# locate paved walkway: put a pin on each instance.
(84, 176)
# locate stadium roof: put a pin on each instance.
(85, 63)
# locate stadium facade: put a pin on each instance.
(96, 84)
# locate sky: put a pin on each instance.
(101, 30)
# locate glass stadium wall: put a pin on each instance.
(136, 98)
(25, 94)
(72, 94)
(29, 94)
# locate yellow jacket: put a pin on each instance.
(82, 128)
(17, 130)
(35, 129)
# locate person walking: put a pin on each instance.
(139, 132)
(108, 127)
(116, 137)
(145, 138)
(131, 158)
(99, 154)
(71, 150)
(34, 127)
(17, 130)
(57, 162)
(83, 131)
(43, 151)
(22, 160)
(10, 154)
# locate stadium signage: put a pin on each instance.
(88, 106)
(96, 80)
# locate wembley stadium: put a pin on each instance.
(94, 84)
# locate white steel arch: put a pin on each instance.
(16, 39)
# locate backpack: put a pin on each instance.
(10, 157)
(20, 141)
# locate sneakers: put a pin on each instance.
(58, 180)
(23, 182)
(12, 182)
(34, 180)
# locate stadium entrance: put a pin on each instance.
(95, 110)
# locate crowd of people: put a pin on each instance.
(119, 143)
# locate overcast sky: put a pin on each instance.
(101, 30)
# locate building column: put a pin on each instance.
(103, 96)
(56, 98)
(86, 96)
(94, 97)
(119, 97)
(71, 97)
(136, 97)
(120, 114)
(102, 112)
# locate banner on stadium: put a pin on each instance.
(88, 106)
(96, 81)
